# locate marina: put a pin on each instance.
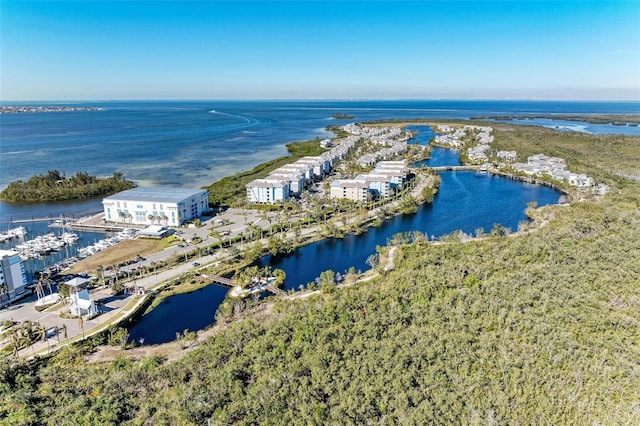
(44, 244)
(11, 234)
(107, 242)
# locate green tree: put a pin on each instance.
(327, 281)
(280, 276)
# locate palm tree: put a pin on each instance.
(63, 290)
(47, 281)
(100, 273)
(39, 288)
(4, 290)
(81, 325)
(217, 236)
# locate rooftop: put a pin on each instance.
(8, 253)
(77, 282)
(167, 195)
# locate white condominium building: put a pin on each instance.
(268, 191)
(166, 206)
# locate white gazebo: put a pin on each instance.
(81, 304)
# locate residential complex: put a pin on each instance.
(476, 138)
(387, 177)
(554, 167)
(166, 206)
(12, 275)
(290, 180)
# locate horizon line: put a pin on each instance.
(2, 102)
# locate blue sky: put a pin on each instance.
(318, 49)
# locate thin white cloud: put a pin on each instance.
(620, 52)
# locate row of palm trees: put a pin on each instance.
(157, 218)
(26, 333)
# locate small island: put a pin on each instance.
(341, 116)
(54, 186)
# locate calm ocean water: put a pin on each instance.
(191, 144)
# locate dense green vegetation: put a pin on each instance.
(595, 155)
(56, 187)
(231, 190)
(617, 119)
(539, 328)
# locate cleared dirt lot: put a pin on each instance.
(119, 253)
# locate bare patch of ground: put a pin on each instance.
(120, 252)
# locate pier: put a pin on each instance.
(223, 281)
(46, 219)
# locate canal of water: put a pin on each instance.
(466, 201)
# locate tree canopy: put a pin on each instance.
(55, 186)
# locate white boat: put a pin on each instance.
(69, 237)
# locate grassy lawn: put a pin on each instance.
(119, 253)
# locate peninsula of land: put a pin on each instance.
(16, 109)
(614, 119)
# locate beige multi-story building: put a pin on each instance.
(351, 189)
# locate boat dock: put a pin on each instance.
(45, 219)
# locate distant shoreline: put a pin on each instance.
(9, 109)
(614, 119)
